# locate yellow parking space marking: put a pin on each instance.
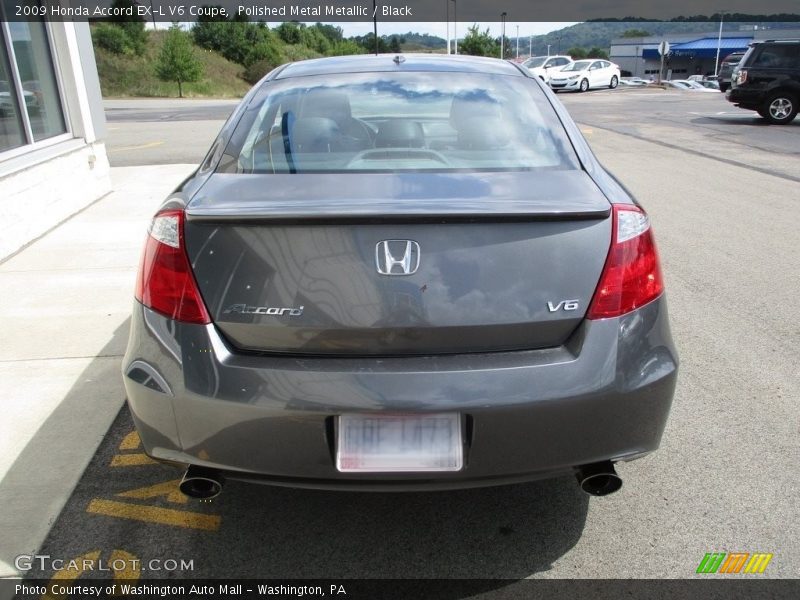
(139, 147)
(587, 130)
(131, 460)
(130, 441)
(168, 490)
(129, 572)
(152, 514)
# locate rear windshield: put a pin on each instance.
(397, 122)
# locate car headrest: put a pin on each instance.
(400, 133)
(315, 134)
(481, 133)
(472, 105)
(326, 103)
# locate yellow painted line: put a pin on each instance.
(140, 147)
(130, 441)
(131, 460)
(168, 490)
(587, 131)
(153, 514)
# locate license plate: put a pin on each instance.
(392, 443)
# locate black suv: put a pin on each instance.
(726, 70)
(767, 80)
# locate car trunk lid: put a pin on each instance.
(484, 262)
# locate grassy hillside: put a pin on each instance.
(128, 75)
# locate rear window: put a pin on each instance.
(396, 122)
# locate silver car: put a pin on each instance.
(399, 273)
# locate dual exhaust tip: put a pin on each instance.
(596, 479)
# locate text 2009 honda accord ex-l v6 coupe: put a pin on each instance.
(399, 273)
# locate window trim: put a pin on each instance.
(29, 143)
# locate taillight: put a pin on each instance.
(631, 277)
(165, 282)
(741, 77)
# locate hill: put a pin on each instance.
(131, 75)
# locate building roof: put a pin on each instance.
(703, 47)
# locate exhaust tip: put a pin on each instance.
(201, 483)
(599, 479)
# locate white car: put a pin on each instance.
(545, 66)
(585, 74)
(686, 85)
(696, 86)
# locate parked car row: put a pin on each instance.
(564, 74)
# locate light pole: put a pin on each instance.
(517, 41)
(447, 12)
(719, 43)
(502, 34)
(548, 49)
(455, 27)
(530, 46)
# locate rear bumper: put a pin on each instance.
(605, 395)
(744, 98)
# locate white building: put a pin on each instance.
(52, 126)
(690, 53)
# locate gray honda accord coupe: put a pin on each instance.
(399, 273)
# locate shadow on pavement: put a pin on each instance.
(36, 485)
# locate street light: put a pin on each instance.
(455, 27)
(517, 41)
(502, 34)
(719, 43)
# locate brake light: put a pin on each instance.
(631, 276)
(741, 77)
(165, 281)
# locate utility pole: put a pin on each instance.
(447, 11)
(719, 42)
(375, 25)
(517, 41)
(455, 26)
(502, 34)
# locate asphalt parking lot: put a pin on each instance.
(721, 189)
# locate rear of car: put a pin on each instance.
(726, 67)
(399, 275)
(587, 74)
(767, 81)
(544, 67)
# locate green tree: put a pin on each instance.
(132, 25)
(596, 52)
(478, 43)
(111, 38)
(394, 45)
(176, 61)
(577, 53)
(635, 33)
